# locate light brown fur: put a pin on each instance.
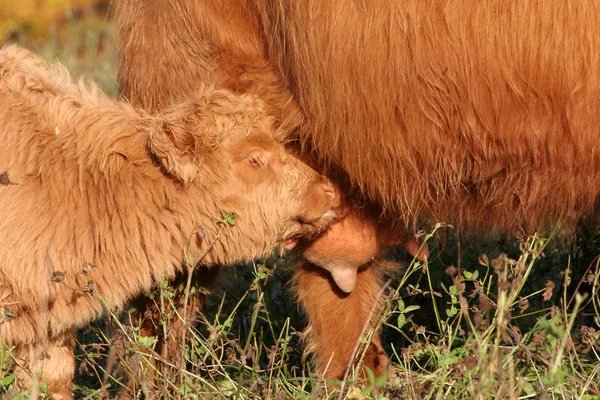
(480, 114)
(100, 200)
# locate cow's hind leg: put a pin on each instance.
(53, 363)
(337, 319)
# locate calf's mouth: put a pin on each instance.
(309, 229)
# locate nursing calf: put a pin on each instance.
(100, 201)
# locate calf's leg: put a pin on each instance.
(149, 318)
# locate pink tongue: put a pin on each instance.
(289, 244)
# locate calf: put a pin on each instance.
(100, 201)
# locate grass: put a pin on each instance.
(86, 46)
(483, 339)
(492, 318)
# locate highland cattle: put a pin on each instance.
(101, 201)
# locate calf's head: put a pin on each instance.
(223, 151)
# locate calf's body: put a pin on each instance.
(100, 201)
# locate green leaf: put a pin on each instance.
(448, 360)
(382, 380)
(401, 321)
(261, 275)
(185, 389)
(411, 308)
(262, 272)
(147, 341)
(468, 275)
(227, 218)
(451, 312)
(226, 325)
(401, 305)
(371, 375)
(7, 380)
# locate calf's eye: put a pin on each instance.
(258, 160)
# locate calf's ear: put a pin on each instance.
(175, 149)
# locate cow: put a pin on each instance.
(484, 115)
(101, 201)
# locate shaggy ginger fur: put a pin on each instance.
(99, 200)
(482, 114)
